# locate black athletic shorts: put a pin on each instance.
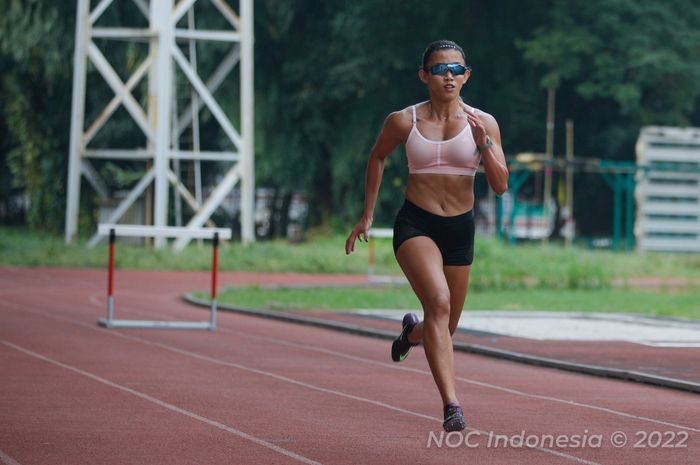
(454, 235)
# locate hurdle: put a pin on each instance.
(114, 230)
(379, 233)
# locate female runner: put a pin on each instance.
(445, 140)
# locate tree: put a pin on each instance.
(328, 72)
(341, 67)
(35, 93)
(617, 65)
(644, 55)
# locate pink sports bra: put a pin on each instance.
(458, 155)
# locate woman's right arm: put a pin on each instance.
(391, 135)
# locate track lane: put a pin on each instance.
(82, 418)
(304, 415)
(169, 334)
(317, 361)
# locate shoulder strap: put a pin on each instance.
(413, 107)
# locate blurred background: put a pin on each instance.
(326, 75)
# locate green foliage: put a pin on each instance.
(33, 95)
(353, 64)
(328, 73)
(617, 65)
(643, 55)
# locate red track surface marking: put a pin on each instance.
(81, 394)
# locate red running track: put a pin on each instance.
(264, 392)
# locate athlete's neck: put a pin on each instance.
(443, 111)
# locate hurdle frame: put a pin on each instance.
(380, 233)
(114, 230)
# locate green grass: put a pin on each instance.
(496, 265)
(654, 303)
(527, 277)
(321, 254)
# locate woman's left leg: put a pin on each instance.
(458, 281)
(457, 278)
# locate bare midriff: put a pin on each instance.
(441, 194)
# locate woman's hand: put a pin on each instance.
(360, 231)
(484, 126)
(478, 128)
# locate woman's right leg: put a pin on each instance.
(421, 262)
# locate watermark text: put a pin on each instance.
(586, 439)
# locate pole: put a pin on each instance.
(570, 179)
(499, 217)
(247, 124)
(175, 144)
(370, 258)
(195, 118)
(161, 21)
(549, 152)
(110, 277)
(214, 267)
(617, 210)
(629, 216)
(82, 38)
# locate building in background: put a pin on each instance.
(668, 189)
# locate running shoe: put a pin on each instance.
(401, 346)
(454, 418)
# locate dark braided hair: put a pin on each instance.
(440, 45)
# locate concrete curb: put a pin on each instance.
(596, 370)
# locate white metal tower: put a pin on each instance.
(161, 122)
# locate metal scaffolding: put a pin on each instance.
(160, 122)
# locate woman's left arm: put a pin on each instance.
(487, 136)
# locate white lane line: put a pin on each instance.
(462, 379)
(163, 404)
(7, 460)
(293, 381)
(671, 344)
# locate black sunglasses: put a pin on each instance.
(454, 68)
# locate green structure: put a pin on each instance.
(619, 175)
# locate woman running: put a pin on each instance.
(444, 139)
